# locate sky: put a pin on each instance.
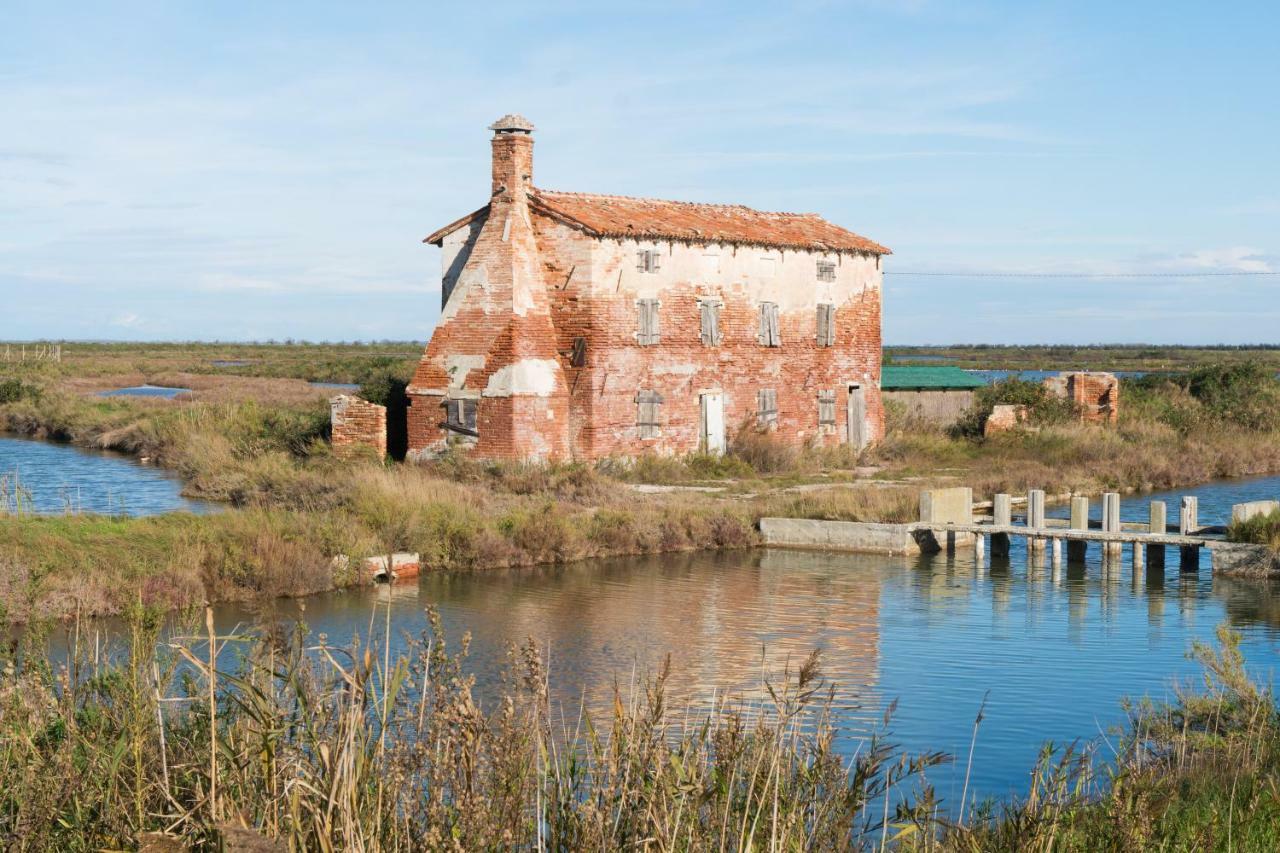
(255, 171)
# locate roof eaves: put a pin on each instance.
(437, 236)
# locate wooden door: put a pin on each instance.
(713, 436)
(856, 414)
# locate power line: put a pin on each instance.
(1079, 274)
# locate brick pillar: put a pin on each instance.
(357, 425)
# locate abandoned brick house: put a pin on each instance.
(585, 326)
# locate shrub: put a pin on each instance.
(762, 450)
(13, 390)
(1042, 406)
(1259, 530)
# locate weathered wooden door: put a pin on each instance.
(713, 437)
(857, 417)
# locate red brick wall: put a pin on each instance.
(1096, 396)
(357, 426)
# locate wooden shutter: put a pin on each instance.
(826, 325)
(769, 335)
(640, 266)
(469, 413)
(826, 408)
(767, 405)
(647, 320)
(710, 309)
(648, 410)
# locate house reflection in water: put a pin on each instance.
(727, 621)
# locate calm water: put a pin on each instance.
(1053, 652)
(57, 478)
(146, 391)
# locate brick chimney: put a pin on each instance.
(512, 155)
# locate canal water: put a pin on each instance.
(1052, 654)
(43, 477)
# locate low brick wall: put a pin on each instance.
(358, 426)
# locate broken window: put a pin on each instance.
(826, 408)
(649, 408)
(710, 309)
(647, 320)
(769, 324)
(826, 324)
(460, 416)
(826, 270)
(767, 408)
(647, 260)
(578, 355)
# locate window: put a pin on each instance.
(649, 409)
(769, 324)
(460, 416)
(647, 260)
(827, 409)
(647, 320)
(578, 355)
(826, 324)
(826, 270)
(768, 266)
(710, 309)
(767, 408)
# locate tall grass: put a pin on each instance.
(347, 748)
(324, 747)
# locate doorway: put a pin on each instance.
(856, 418)
(713, 436)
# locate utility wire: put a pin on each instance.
(1078, 274)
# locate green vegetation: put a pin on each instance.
(1042, 407)
(202, 737)
(1259, 530)
(1122, 357)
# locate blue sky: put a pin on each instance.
(249, 171)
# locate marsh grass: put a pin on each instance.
(348, 748)
(330, 747)
(1259, 530)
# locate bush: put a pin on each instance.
(1259, 530)
(762, 450)
(1042, 406)
(13, 390)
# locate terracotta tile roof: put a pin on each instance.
(653, 219)
(646, 218)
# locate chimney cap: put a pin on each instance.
(512, 123)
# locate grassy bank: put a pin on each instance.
(328, 748)
(296, 507)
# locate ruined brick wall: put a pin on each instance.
(601, 309)
(357, 426)
(1096, 396)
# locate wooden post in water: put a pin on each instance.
(1002, 516)
(1078, 549)
(1159, 524)
(1035, 519)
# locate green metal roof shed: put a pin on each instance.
(896, 377)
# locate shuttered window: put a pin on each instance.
(647, 260)
(647, 321)
(826, 408)
(826, 325)
(460, 416)
(767, 408)
(826, 270)
(648, 413)
(710, 309)
(769, 324)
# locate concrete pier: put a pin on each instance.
(1077, 551)
(1001, 516)
(1035, 519)
(1159, 524)
(1111, 524)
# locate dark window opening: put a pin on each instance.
(460, 416)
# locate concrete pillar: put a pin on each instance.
(1138, 560)
(1035, 519)
(1111, 523)
(1078, 550)
(1001, 516)
(1189, 520)
(979, 548)
(1160, 525)
(1057, 552)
